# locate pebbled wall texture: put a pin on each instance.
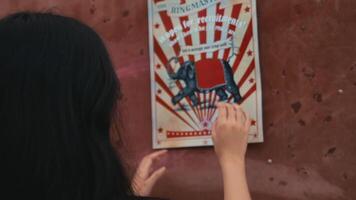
(308, 61)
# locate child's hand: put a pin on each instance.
(230, 133)
(145, 179)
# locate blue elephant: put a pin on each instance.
(187, 73)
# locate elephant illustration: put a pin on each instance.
(200, 78)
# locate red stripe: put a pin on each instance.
(235, 15)
(167, 22)
(245, 41)
(202, 34)
(209, 104)
(247, 73)
(249, 93)
(199, 106)
(212, 108)
(203, 40)
(204, 106)
(188, 38)
(163, 85)
(164, 104)
(217, 36)
(159, 52)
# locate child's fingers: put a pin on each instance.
(243, 116)
(247, 122)
(157, 154)
(222, 112)
(236, 109)
(213, 130)
(240, 115)
(217, 98)
(146, 163)
(230, 113)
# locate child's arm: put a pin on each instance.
(230, 133)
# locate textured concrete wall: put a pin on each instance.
(308, 59)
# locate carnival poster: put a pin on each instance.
(201, 52)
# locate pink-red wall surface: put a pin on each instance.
(308, 61)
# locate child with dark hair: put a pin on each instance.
(58, 94)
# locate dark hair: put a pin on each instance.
(58, 93)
